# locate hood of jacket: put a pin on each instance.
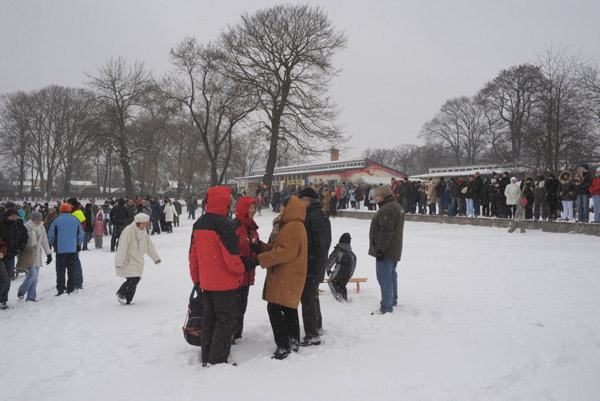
(217, 200)
(241, 210)
(294, 210)
(568, 179)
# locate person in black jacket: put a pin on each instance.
(439, 193)
(14, 234)
(155, 217)
(119, 216)
(340, 267)
(552, 196)
(476, 191)
(485, 197)
(318, 231)
(90, 218)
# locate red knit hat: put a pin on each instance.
(65, 208)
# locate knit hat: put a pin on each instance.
(308, 193)
(585, 166)
(598, 170)
(345, 238)
(513, 178)
(36, 216)
(383, 190)
(73, 202)
(65, 208)
(11, 211)
(141, 218)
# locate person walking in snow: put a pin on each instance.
(134, 243)
(170, 214)
(340, 267)
(519, 219)
(14, 235)
(31, 257)
(385, 244)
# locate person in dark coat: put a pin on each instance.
(552, 196)
(88, 232)
(385, 244)
(14, 234)
(318, 231)
(340, 267)
(178, 209)
(119, 217)
(439, 193)
(485, 197)
(155, 217)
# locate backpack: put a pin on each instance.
(192, 327)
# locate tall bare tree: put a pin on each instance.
(215, 102)
(15, 133)
(509, 102)
(119, 87)
(285, 53)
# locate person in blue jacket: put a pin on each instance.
(66, 236)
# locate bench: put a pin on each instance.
(356, 280)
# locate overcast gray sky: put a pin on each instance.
(404, 59)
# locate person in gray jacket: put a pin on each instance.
(340, 267)
(385, 244)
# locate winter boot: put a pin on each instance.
(281, 353)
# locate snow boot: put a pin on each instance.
(281, 353)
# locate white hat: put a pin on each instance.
(598, 170)
(513, 178)
(141, 218)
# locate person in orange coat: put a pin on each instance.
(286, 260)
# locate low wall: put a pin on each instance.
(548, 226)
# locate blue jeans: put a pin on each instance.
(29, 286)
(469, 207)
(440, 206)
(87, 236)
(583, 207)
(596, 199)
(388, 282)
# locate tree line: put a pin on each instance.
(257, 96)
(542, 115)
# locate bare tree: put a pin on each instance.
(460, 127)
(509, 102)
(119, 88)
(215, 102)
(285, 54)
(15, 122)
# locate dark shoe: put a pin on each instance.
(306, 342)
(59, 293)
(281, 353)
(3, 306)
(20, 296)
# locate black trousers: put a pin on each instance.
(7, 271)
(243, 298)
(337, 283)
(311, 308)
(66, 262)
(285, 325)
(128, 288)
(219, 324)
(114, 239)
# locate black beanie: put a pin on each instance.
(345, 238)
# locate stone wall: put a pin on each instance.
(548, 226)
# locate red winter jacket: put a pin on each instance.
(214, 256)
(595, 187)
(247, 233)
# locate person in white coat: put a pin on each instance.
(513, 194)
(170, 214)
(31, 257)
(134, 243)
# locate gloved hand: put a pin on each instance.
(48, 259)
(380, 257)
(255, 248)
(78, 248)
(157, 262)
(248, 264)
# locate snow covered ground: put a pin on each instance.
(485, 315)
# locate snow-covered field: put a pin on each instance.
(485, 315)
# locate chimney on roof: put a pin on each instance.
(335, 154)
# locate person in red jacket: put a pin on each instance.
(249, 245)
(216, 266)
(595, 192)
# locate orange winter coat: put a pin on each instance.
(286, 259)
